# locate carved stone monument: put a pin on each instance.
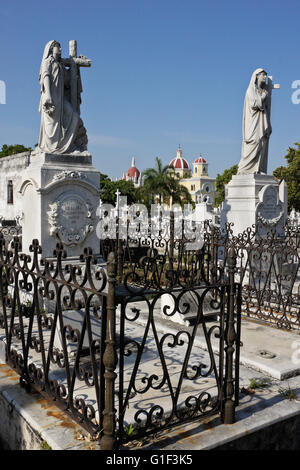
(56, 189)
(270, 210)
(253, 197)
(62, 129)
(256, 124)
(255, 200)
(60, 197)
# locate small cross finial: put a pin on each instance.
(118, 194)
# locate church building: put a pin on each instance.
(197, 181)
(133, 174)
(199, 184)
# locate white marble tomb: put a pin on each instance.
(54, 198)
(255, 199)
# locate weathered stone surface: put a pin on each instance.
(187, 310)
(253, 199)
(55, 199)
(61, 128)
(270, 211)
(256, 124)
(74, 319)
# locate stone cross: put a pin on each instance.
(118, 194)
(271, 86)
(75, 63)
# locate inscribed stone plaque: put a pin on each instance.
(70, 219)
(269, 210)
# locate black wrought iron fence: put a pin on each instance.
(267, 268)
(10, 229)
(164, 378)
(53, 328)
(100, 345)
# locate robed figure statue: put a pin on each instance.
(256, 124)
(62, 130)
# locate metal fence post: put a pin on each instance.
(212, 266)
(230, 339)
(172, 240)
(119, 253)
(108, 441)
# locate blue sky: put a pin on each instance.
(164, 72)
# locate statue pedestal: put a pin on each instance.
(255, 199)
(59, 196)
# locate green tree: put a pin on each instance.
(109, 188)
(221, 180)
(13, 149)
(291, 175)
(161, 181)
(156, 180)
(179, 193)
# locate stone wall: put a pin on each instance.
(12, 168)
(284, 435)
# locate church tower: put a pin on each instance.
(200, 168)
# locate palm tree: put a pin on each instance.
(179, 194)
(161, 181)
(156, 180)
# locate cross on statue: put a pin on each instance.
(271, 86)
(74, 63)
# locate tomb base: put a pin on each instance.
(59, 197)
(255, 199)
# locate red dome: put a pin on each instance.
(200, 160)
(180, 163)
(133, 172)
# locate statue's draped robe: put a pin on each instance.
(59, 129)
(256, 130)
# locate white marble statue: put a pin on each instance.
(256, 124)
(62, 129)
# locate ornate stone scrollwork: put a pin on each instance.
(69, 174)
(71, 218)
